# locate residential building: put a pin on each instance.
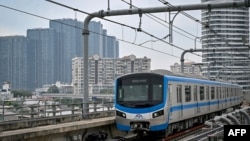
(13, 61)
(226, 28)
(42, 56)
(189, 68)
(45, 55)
(103, 71)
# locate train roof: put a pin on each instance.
(169, 73)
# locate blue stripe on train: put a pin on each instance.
(201, 104)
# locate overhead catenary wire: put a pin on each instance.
(73, 26)
(198, 21)
(155, 18)
(60, 4)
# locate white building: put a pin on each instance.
(226, 28)
(189, 68)
(5, 92)
(103, 71)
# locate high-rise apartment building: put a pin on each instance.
(46, 53)
(42, 56)
(103, 71)
(13, 61)
(226, 28)
(70, 44)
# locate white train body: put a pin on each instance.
(156, 102)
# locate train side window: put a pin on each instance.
(220, 91)
(227, 91)
(195, 93)
(178, 91)
(187, 93)
(212, 93)
(217, 92)
(207, 92)
(223, 92)
(232, 94)
(201, 93)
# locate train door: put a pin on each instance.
(231, 96)
(226, 97)
(208, 98)
(179, 101)
(169, 102)
(196, 99)
(223, 97)
(217, 97)
(220, 98)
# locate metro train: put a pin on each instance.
(163, 102)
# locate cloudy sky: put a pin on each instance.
(16, 16)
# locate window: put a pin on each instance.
(226, 92)
(178, 91)
(201, 93)
(187, 93)
(195, 93)
(220, 92)
(157, 92)
(207, 93)
(217, 92)
(231, 92)
(212, 93)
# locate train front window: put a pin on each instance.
(139, 91)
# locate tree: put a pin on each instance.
(21, 93)
(53, 89)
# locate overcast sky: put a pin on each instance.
(163, 55)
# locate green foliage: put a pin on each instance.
(53, 89)
(106, 91)
(21, 93)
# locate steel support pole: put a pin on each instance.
(209, 50)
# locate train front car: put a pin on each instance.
(140, 102)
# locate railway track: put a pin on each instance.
(175, 137)
(182, 134)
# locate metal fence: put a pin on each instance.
(29, 113)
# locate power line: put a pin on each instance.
(114, 22)
(73, 26)
(153, 16)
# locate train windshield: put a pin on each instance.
(140, 91)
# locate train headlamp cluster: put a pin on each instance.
(158, 113)
(121, 114)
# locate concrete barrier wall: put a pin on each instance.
(70, 131)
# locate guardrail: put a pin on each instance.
(216, 130)
(29, 113)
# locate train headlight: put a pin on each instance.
(121, 114)
(158, 113)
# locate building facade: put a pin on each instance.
(226, 28)
(13, 61)
(42, 55)
(189, 68)
(45, 55)
(103, 71)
